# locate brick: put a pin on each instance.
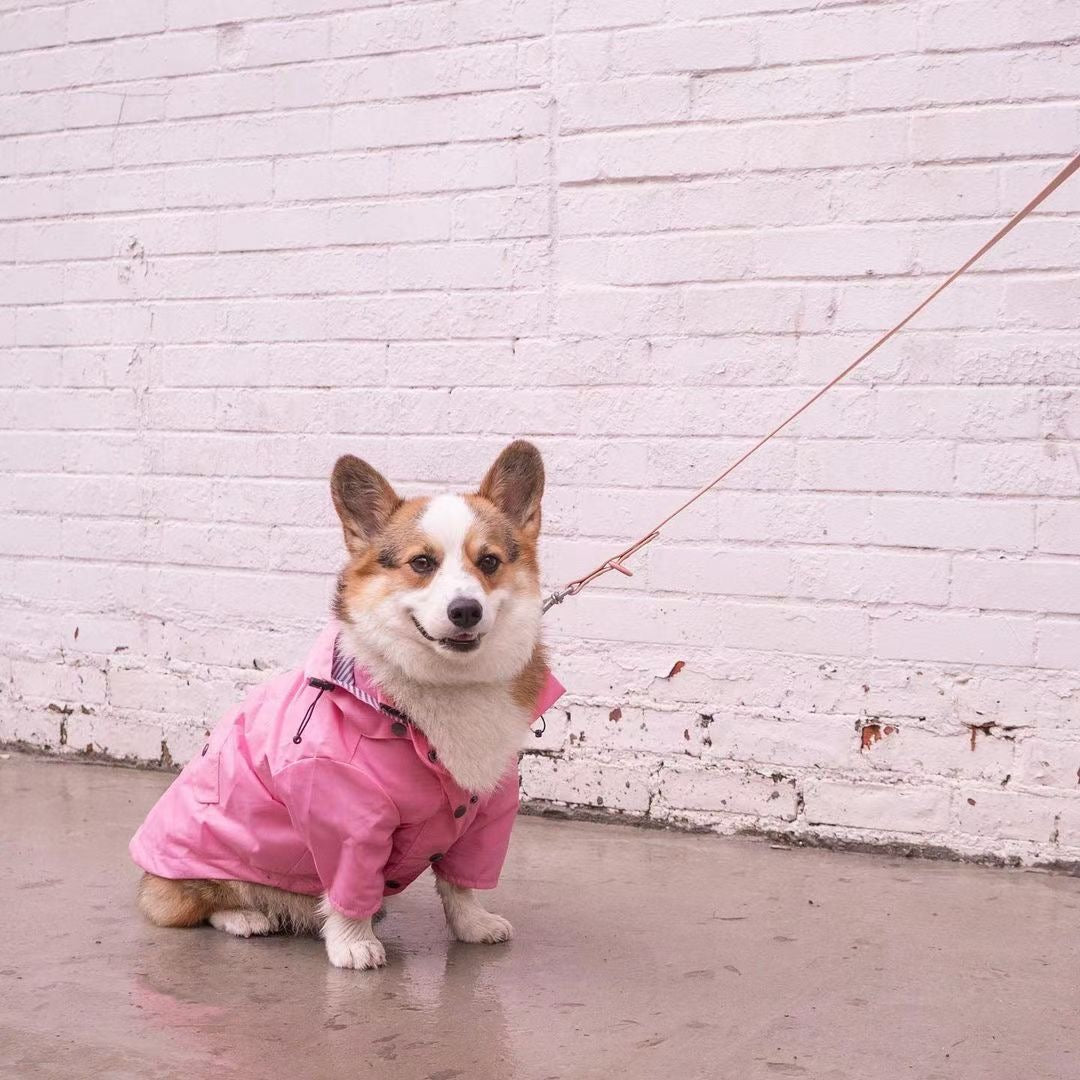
(689, 48)
(972, 24)
(58, 682)
(1012, 815)
(185, 14)
(572, 781)
(955, 637)
(33, 28)
(872, 577)
(774, 92)
(1051, 764)
(593, 15)
(453, 168)
(96, 20)
(88, 409)
(820, 519)
(649, 154)
(952, 523)
(262, 43)
(1058, 528)
(813, 144)
(454, 71)
(910, 191)
(1017, 584)
(816, 629)
(1016, 468)
(1059, 644)
(871, 465)
(719, 792)
(480, 216)
(834, 252)
(834, 35)
(625, 102)
(754, 308)
(969, 133)
(953, 412)
(878, 807)
(731, 572)
(906, 747)
(782, 742)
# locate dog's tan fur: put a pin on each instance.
(191, 903)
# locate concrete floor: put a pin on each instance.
(638, 955)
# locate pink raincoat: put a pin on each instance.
(317, 784)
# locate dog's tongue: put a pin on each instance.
(462, 637)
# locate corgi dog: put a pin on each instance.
(393, 750)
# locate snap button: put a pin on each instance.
(398, 728)
(393, 884)
(204, 749)
(432, 756)
(436, 857)
(474, 798)
(460, 812)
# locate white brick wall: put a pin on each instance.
(241, 238)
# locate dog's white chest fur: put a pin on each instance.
(476, 730)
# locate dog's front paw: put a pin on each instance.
(479, 927)
(358, 955)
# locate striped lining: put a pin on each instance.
(343, 674)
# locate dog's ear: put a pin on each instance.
(515, 484)
(363, 499)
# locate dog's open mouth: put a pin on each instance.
(463, 642)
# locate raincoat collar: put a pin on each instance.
(327, 664)
(327, 668)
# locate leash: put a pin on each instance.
(617, 562)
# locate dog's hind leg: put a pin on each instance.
(191, 902)
(242, 922)
(180, 902)
(237, 907)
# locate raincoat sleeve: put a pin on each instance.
(475, 859)
(347, 821)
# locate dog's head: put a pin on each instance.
(444, 589)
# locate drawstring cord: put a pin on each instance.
(323, 685)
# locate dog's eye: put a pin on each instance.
(489, 563)
(422, 564)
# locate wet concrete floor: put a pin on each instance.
(638, 954)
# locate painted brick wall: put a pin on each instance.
(239, 238)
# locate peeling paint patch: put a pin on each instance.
(675, 669)
(872, 733)
(615, 714)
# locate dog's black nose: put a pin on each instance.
(464, 612)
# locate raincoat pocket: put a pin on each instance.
(206, 776)
(204, 769)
